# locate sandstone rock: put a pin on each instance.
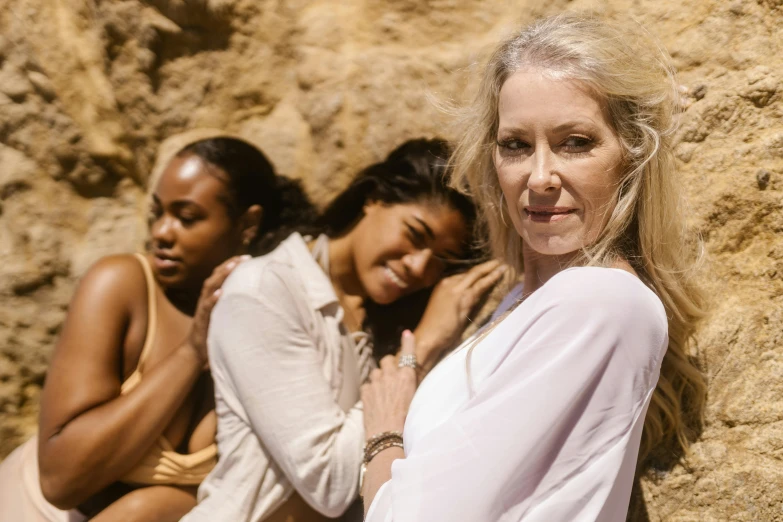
(14, 83)
(325, 88)
(42, 84)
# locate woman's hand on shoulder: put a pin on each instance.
(450, 306)
(210, 293)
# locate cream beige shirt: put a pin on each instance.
(287, 376)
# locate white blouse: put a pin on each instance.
(287, 376)
(546, 424)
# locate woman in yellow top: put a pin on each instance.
(127, 424)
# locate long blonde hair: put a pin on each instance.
(631, 74)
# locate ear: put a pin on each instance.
(250, 223)
(370, 206)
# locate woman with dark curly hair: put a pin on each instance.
(127, 425)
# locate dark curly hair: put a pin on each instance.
(251, 180)
(415, 172)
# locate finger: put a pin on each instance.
(408, 344)
(388, 363)
(221, 273)
(207, 304)
(479, 271)
(486, 283)
(375, 375)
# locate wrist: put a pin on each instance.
(193, 356)
(427, 351)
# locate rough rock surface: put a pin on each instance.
(89, 90)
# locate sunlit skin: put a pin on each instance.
(396, 250)
(83, 410)
(190, 226)
(559, 163)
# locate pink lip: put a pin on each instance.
(165, 262)
(545, 214)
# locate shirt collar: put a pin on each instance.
(319, 288)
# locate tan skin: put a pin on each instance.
(415, 242)
(558, 162)
(91, 435)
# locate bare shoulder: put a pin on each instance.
(120, 276)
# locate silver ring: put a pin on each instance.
(408, 361)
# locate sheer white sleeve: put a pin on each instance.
(579, 361)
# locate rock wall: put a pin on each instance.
(89, 90)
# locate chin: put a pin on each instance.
(383, 295)
(553, 246)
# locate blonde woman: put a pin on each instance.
(541, 418)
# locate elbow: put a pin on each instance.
(58, 490)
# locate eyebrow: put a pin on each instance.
(514, 129)
(180, 203)
(427, 228)
(431, 234)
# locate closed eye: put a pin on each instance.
(417, 237)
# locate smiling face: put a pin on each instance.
(558, 162)
(190, 226)
(401, 248)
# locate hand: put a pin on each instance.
(389, 392)
(453, 300)
(210, 292)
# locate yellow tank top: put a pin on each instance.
(162, 464)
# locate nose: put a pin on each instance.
(543, 176)
(162, 230)
(416, 262)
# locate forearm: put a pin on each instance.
(378, 472)
(101, 444)
(428, 350)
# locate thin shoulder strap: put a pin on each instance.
(152, 310)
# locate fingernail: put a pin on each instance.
(245, 257)
(231, 265)
(406, 333)
(217, 292)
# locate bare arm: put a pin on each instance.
(90, 435)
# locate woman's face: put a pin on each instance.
(558, 162)
(190, 227)
(401, 248)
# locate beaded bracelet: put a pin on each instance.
(374, 445)
(380, 439)
(383, 435)
(381, 447)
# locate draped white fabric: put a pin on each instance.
(550, 430)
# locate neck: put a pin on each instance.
(541, 268)
(184, 299)
(342, 270)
